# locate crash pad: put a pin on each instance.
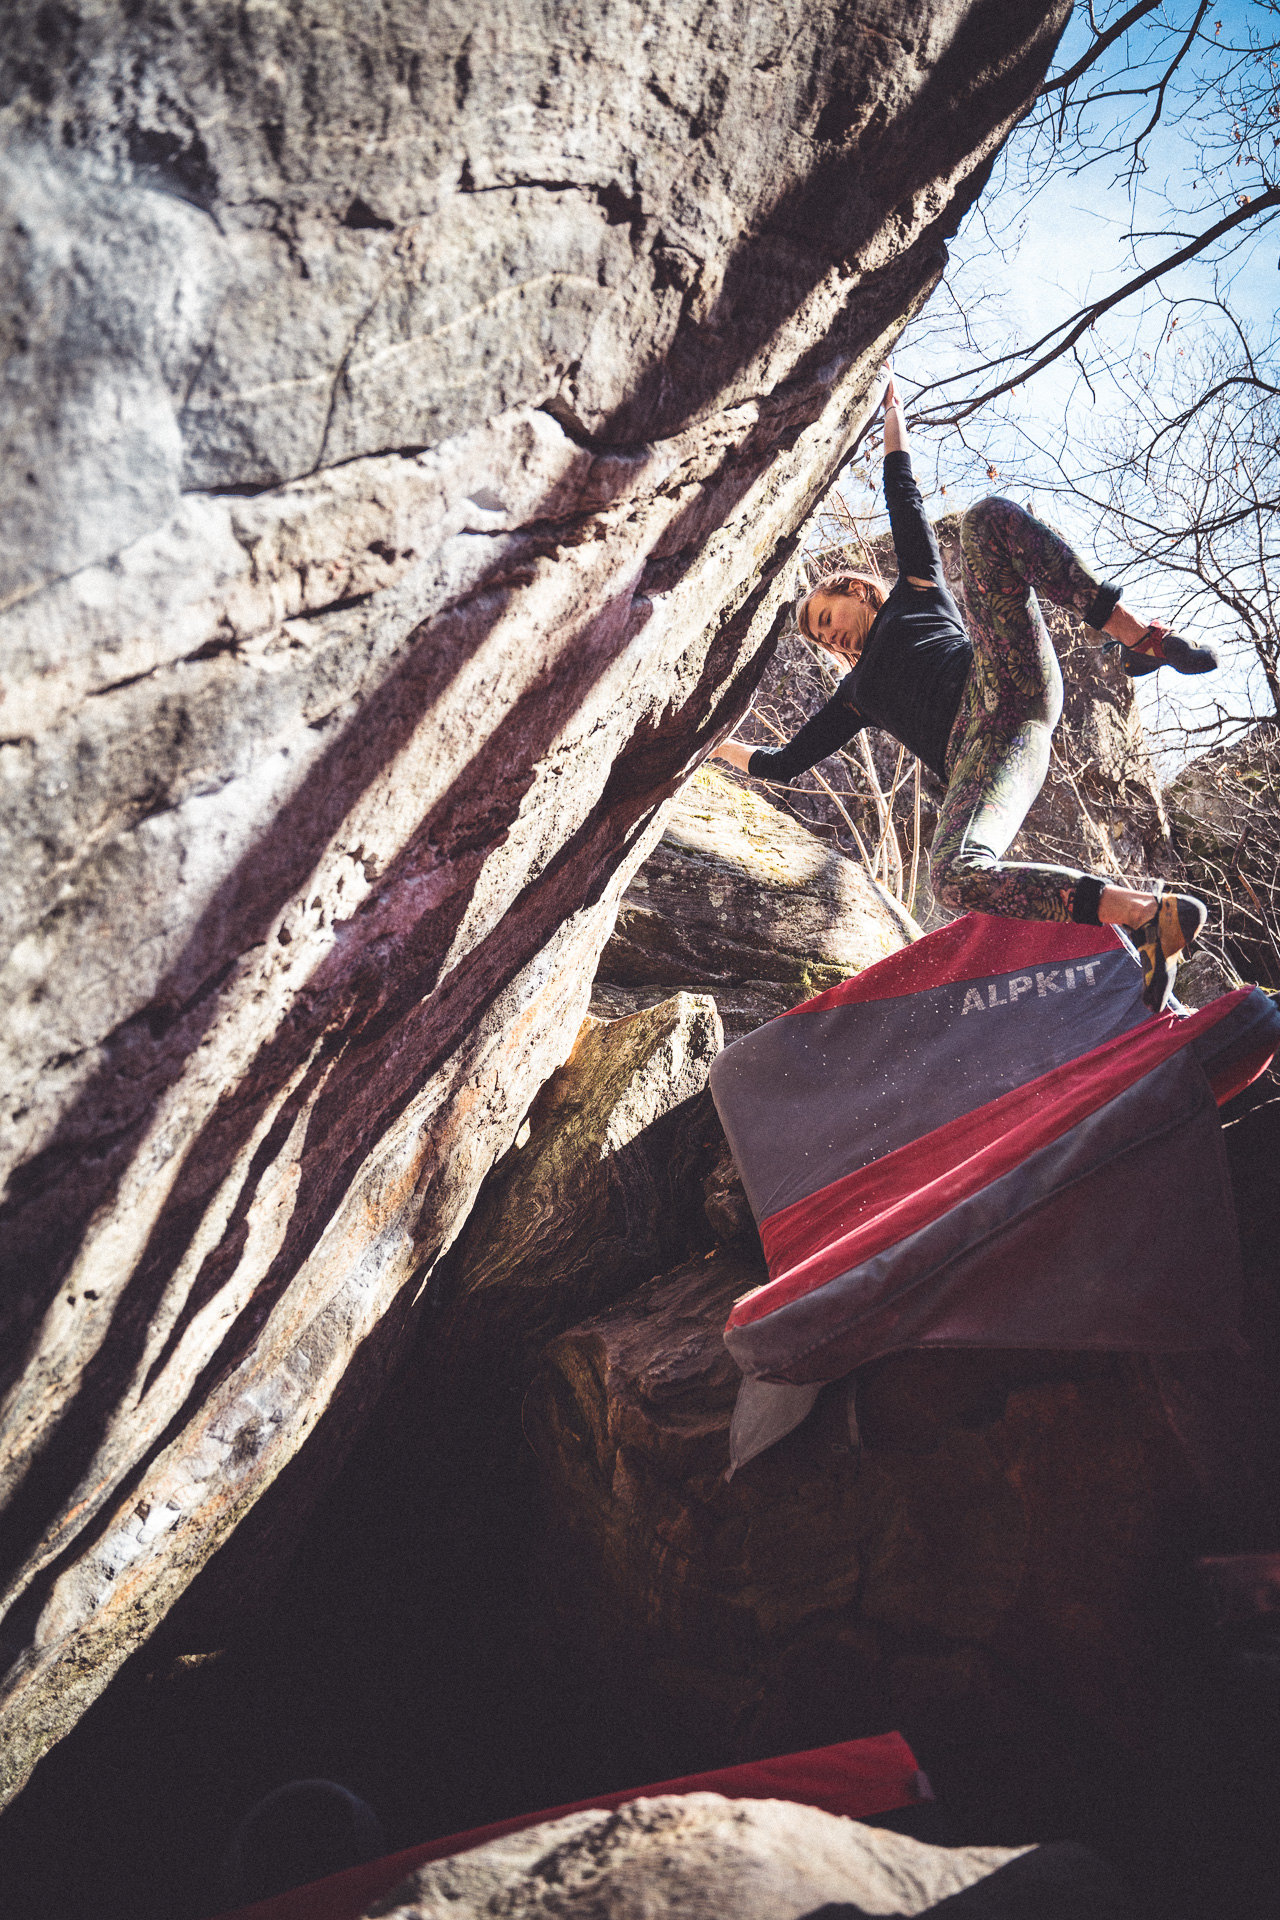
(984, 1140)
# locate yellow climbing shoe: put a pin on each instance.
(1171, 931)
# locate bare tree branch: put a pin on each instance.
(1079, 323)
(1178, 58)
(1100, 45)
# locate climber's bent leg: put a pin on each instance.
(998, 753)
(1008, 556)
(999, 750)
(1014, 687)
(994, 779)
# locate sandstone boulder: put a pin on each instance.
(1224, 808)
(621, 1169)
(408, 424)
(742, 902)
(702, 1857)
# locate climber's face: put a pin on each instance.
(839, 621)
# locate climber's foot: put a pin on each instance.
(1160, 648)
(1171, 931)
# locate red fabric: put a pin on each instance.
(860, 1778)
(845, 1224)
(1240, 1074)
(971, 948)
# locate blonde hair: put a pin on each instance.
(854, 586)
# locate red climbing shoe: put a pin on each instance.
(1160, 648)
(1171, 931)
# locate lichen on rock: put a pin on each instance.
(742, 902)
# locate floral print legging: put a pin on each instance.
(998, 753)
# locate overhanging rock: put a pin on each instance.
(407, 428)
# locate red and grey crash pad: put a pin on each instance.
(985, 1140)
(858, 1778)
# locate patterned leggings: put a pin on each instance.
(998, 753)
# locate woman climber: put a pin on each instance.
(979, 706)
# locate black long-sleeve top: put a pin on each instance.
(914, 661)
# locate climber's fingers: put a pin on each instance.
(734, 752)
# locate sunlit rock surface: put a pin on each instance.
(603, 1187)
(747, 905)
(407, 423)
(702, 1857)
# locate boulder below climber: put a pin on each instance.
(1224, 808)
(621, 1169)
(985, 1549)
(746, 904)
(698, 1854)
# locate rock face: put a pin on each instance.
(622, 1169)
(1223, 810)
(986, 1548)
(407, 423)
(603, 1185)
(747, 905)
(704, 1857)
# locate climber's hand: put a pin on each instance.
(734, 752)
(895, 421)
(891, 390)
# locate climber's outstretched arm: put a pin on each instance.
(831, 727)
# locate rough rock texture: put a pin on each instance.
(407, 420)
(622, 1168)
(1224, 810)
(989, 1548)
(702, 1857)
(743, 903)
(603, 1186)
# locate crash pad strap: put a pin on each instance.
(858, 1778)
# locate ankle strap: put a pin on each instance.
(1086, 897)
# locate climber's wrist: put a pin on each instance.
(895, 428)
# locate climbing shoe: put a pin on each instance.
(1160, 648)
(1171, 931)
